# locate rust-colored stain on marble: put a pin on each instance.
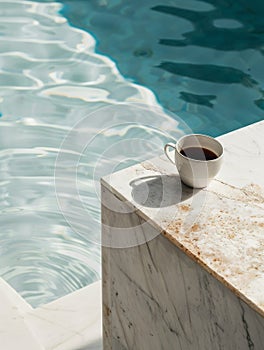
(195, 228)
(184, 207)
(107, 310)
(174, 226)
(227, 236)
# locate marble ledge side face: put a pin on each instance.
(155, 297)
(221, 226)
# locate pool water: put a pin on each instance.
(68, 116)
(202, 59)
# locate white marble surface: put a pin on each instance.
(69, 323)
(14, 332)
(220, 227)
(155, 297)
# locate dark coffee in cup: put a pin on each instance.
(197, 157)
(198, 153)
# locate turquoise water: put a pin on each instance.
(69, 115)
(202, 59)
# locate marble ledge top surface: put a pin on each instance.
(222, 226)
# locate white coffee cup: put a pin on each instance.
(196, 173)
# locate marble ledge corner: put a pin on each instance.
(155, 297)
(203, 275)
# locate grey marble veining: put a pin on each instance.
(183, 269)
(155, 297)
(220, 227)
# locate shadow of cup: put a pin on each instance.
(159, 191)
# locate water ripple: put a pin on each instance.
(51, 80)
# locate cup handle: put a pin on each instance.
(166, 150)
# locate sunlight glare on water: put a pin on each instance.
(51, 80)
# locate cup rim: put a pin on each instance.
(196, 160)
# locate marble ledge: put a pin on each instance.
(220, 227)
(71, 322)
